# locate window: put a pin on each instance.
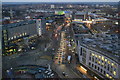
(114, 72)
(89, 58)
(95, 67)
(108, 68)
(92, 59)
(5, 31)
(105, 66)
(81, 52)
(89, 64)
(104, 72)
(96, 61)
(98, 68)
(93, 54)
(99, 57)
(105, 60)
(101, 70)
(11, 37)
(92, 65)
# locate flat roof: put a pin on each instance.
(109, 49)
(12, 25)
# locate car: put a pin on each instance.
(52, 74)
(46, 71)
(49, 73)
(64, 74)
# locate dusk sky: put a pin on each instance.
(60, 0)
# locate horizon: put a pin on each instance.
(60, 1)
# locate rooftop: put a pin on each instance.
(104, 44)
(11, 25)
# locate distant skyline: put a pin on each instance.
(60, 0)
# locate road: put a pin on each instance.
(42, 57)
(60, 64)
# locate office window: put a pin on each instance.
(114, 72)
(99, 57)
(108, 68)
(81, 52)
(105, 60)
(101, 70)
(89, 64)
(104, 72)
(92, 65)
(95, 66)
(108, 62)
(92, 59)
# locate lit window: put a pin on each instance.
(108, 62)
(6, 47)
(23, 34)
(4, 31)
(11, 37)
(112, 64)
(99, 56)
(14, 36)
(93, 54)
(110, 77)
(107, 75)
(114, 72)
(5, 34)
(20, 35)
(99, 62)
(102, 63)
(103, 58)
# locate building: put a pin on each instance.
(52, 6)
(99, 55)
(15, 33)
(41, 26)
(81, 16)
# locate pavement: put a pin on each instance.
(59, 68)
(42, 57)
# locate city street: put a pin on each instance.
(60, 62)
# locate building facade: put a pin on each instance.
(98, 61)
(18, 32)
